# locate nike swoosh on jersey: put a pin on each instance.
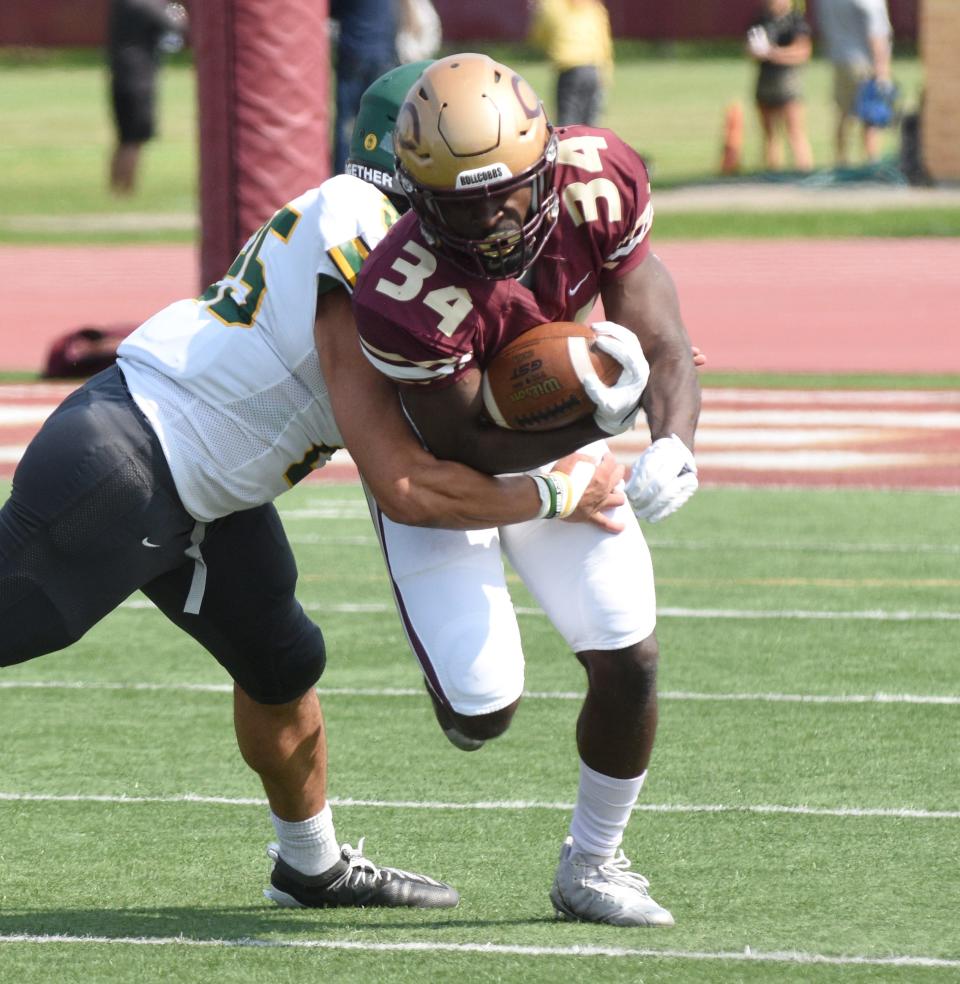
(572, 290)
(146, 542)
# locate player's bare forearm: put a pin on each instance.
(880, 50)
(410, 484)
(450, 421)
(671, 400)
(494, 450)
(645, 300)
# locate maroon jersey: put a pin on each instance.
(423, 320)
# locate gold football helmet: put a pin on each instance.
(473, 129)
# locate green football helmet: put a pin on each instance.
(371, 155)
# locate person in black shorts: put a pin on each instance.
(138, 30)
(160, 472)
(779, 41)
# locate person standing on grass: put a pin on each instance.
(779, 41)
(366, 48)
(858, 38)
(575, 34)
(514, 223)
(137, 33)
(160, 472)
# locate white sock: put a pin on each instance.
(602, 812)
(309, 845)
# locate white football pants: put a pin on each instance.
(451, 593)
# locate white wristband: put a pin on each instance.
(565, 499)
(556, 495)
(560, 493)
(548, 496)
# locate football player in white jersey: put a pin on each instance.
(159, 474)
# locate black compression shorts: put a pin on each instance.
(94, 515)
(134, 105)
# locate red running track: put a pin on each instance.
(866, 305)
(816, 306)
(863, 305)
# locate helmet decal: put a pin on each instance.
(482, 175)
(521, 88)
(371, 156)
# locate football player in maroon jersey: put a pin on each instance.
(513, 224)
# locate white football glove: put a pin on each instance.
(618, 405)
(758, 42)
(662, 479)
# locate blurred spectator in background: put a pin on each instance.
(366, 49)
(779, 40)
(575, 36)
(138, 32)
(419, 31)
(858, 38)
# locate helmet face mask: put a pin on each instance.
(470, 135)
(491, 255)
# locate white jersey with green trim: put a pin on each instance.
(231, 381)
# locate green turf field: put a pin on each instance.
(800, 827)
(57, 139)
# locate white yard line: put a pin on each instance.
(779, 546)
(775, 546)
(747, 955)
(747, 613)
(750, 614)
(418, 693)
(335, 510)
(895, 813)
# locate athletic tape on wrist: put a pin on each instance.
(576, 483)
(560, 493)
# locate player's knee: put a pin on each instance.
(630, 672)
(283, 669)
(32, 624)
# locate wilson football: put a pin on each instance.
(535, 382)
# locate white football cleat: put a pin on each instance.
(604, 893)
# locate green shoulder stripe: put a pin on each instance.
(348, 258)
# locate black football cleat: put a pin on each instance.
(355, 882)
